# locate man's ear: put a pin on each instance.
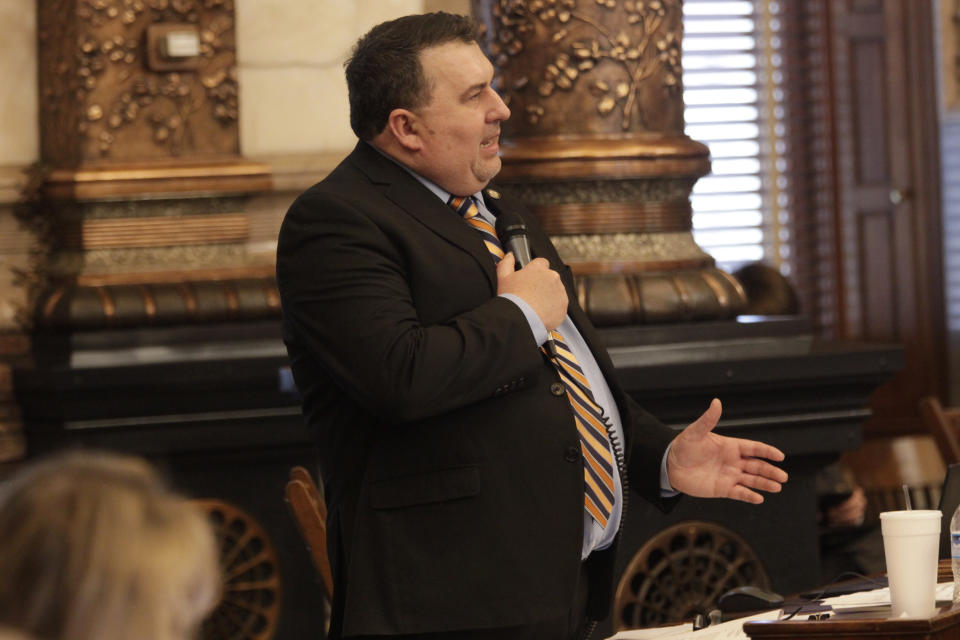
(405, 127)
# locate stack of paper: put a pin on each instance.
(732, 630)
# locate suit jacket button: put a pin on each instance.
(572, 454)
(557, 389)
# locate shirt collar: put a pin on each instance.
(434, 188)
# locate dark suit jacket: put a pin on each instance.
(452, 473)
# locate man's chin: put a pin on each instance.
(488, 171)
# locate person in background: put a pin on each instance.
(93, 546)
(848, 544)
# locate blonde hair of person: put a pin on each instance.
(93, 546)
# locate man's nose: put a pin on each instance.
(500, 109)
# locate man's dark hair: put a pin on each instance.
(384, 71)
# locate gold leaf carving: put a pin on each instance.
(534, 113)
(215, 79)
(91, 72)
(640, 44)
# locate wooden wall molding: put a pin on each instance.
(159, 231)
(139, 181)
(240, 296)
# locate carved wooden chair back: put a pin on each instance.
(882, 466)
(249, 607)
(310, 513)
(943, 423)
(682, 571)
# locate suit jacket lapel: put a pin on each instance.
(410, 195)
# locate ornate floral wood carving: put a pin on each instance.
(613, 64)
(100, 102)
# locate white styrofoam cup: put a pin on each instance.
(911, 542)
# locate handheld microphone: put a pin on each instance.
(512, 233)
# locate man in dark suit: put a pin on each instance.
(467, 496)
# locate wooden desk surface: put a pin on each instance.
(946, 624)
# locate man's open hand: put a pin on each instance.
(707, 465)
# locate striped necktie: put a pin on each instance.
(466, 207)
(592, 427)
(591, 424)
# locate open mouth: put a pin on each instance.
(489, 141)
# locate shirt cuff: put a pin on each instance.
(536, 325)
(666, 489)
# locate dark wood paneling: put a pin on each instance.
(866, 6)
(868, 65)
(877, 270)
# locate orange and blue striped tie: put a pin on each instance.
(466, 207)
(591, 424)
(594, 437)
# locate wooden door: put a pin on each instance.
(873, 187)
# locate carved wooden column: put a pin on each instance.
(596, 148)
(140, 192)
(140, 96)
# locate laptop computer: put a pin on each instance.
(949, 500)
